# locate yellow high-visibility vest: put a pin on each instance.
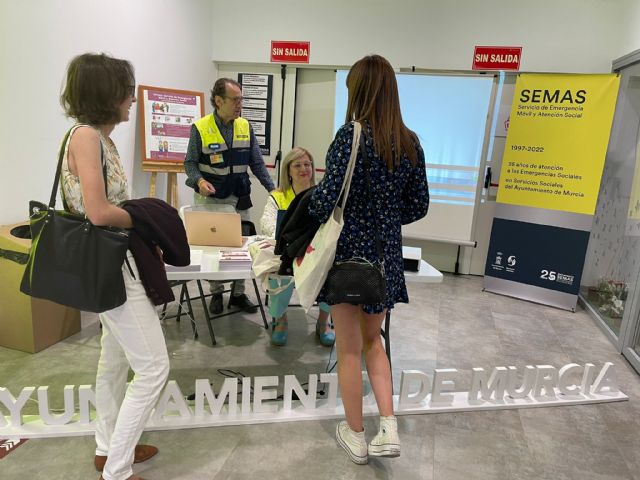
(283, 199)
(212, 141)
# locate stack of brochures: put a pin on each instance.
(194, 266)
(234, 260)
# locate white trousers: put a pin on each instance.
(131, 337)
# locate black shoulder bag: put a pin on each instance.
(73, 262)
(356, 280)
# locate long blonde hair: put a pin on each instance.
(373, 96)
(295, 154)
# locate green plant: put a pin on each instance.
(612, 295)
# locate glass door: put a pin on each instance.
(612, 263)
(632, 351)
(612, 288)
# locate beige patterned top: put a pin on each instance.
(117, 187)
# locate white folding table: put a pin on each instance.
(209, 271)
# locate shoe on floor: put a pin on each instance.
(142, 454)
(243, 302)
(386, 443)
(215, 305)
(327, 338)
(280, 332)
(353, 443)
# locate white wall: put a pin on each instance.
(630, 30)
(168, 41)
(581, 36)
(172, 42)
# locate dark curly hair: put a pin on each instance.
(220, 89)
(96, 86)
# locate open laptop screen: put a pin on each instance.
(213, 228)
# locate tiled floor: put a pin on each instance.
(454, 325)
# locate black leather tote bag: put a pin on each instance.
(73, 262)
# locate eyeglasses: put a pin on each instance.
(299, 166)
(235, 99)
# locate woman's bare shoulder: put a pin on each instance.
(85, 133)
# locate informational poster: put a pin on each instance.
(167, 116)
(555, 150)
(256, 106)
(558, 134)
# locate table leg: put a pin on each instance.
(192, 317)
(387, 340)
(264, 317)
(181, 299)
(206, 312)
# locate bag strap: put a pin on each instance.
(56, 178)
(372, 203)
(63, 149)
(351, 166)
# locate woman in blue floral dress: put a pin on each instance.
(401, 195)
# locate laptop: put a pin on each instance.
(213, 228)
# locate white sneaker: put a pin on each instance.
(353, 442)
(386, 443)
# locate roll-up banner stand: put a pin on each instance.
(554, 155)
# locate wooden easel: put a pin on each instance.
(172, 170)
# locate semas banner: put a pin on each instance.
(554, 156)
(557, 140)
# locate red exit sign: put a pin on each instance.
(497, 58)
(289, 52)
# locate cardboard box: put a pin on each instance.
(27, 324)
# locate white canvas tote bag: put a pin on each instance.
(310, 270)
(263, 260)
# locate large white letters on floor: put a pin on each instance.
(502, 387)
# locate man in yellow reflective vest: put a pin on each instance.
(222, 147)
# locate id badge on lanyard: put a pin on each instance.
(215, 157)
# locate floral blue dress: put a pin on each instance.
(401, 196)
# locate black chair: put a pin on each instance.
(248, 228)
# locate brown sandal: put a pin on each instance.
(142, 454)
